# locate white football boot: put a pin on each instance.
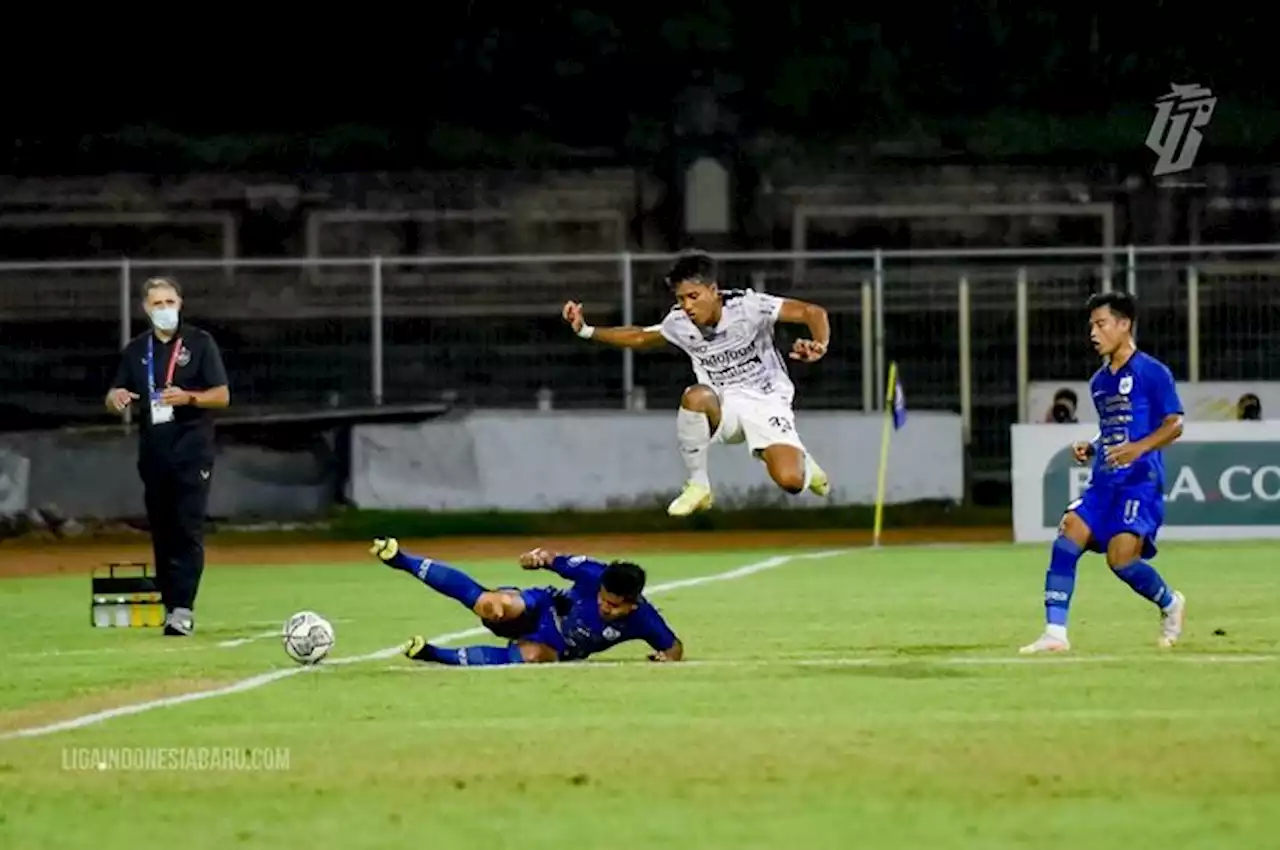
(1046, 643)
(1171, 620)
(694, 497)
(819, 483)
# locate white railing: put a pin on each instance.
(878, 293)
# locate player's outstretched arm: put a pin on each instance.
(570, 567)
(795, 312)
(662, 639)
(630, 336)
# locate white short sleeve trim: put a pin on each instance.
(768, 306)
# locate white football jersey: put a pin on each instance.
(738, 356)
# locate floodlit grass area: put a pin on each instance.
(861, 699)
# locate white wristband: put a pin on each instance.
(586, 331)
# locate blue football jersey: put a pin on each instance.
(1132, 403)
(578, 618)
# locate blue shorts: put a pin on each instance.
(541, 612)
(1110, 512)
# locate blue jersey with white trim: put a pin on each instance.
(1132, 403)
(578, 618)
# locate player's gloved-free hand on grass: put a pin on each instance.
(676, 653)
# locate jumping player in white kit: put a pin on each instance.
(743, 391)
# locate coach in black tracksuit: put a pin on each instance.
(173, 376)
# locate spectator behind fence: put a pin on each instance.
(1249, 408)
(1063, 409)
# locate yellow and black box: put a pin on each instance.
(125, 596)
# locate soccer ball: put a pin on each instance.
(307, 637)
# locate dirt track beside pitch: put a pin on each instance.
(79, 557)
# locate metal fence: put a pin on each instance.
(968, 328)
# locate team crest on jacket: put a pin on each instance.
(184, 356)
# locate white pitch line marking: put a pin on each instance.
(228, 644)
(974, 660)
(274, 633)
(135, 649)
(263, 679)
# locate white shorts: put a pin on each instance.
(759, 423)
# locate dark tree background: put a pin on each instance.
(509, 85)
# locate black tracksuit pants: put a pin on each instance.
(176, 492)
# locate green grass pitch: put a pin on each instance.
(864, 699)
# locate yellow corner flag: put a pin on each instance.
(895, 416)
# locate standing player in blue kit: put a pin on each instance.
(1139, 414)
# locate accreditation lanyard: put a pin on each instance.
(151, 368)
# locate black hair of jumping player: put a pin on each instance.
(693, 267)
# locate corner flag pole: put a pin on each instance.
(885, 436)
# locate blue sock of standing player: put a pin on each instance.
(471, 656)
(1059, 585)
(440, 577)
(1146, 582)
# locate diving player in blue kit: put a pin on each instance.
(604, 607)
(1120, 514)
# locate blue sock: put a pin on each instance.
(440, 577)
(1146, 582)
(1060, 581)
(474, 656)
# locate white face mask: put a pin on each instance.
(165, 318)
